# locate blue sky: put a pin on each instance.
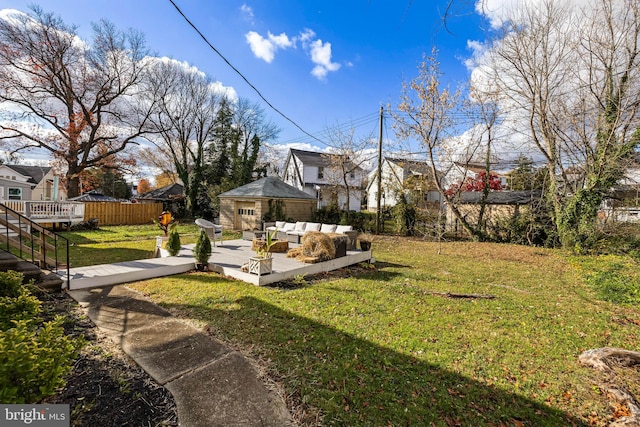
(322, 63)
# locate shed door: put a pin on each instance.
(245, 215)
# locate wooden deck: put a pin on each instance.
(226, 259)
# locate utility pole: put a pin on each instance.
(379, 194)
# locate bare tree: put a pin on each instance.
(345, 160)
(64, 96)
(183, 121)
(430, 113)
(571, 74)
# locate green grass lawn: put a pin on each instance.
(382, 347)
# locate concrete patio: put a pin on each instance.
(226, 259)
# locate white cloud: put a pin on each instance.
(262, 48)
(497, 11)
(265, 48)
(282, 41)
(306, 35)
(248, 12)
(320, 52)
(321, 56)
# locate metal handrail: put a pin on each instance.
(8, 219)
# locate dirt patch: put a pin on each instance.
(106, 387)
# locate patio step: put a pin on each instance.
(43, 279)
(29, 271)
(7, 261)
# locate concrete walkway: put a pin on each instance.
(211, 384)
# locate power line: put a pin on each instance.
(240, 74)
(356, 123)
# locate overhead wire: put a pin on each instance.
(240, 74)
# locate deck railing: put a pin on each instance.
(31, 242)
(48, 211)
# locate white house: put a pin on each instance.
(402, 176)
(317, 174)
(29, 183)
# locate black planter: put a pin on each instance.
(365, 246)
(202, 267)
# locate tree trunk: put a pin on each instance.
(601, 359)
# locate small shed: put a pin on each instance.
(499, 206)
(94, 196)
(243, 208)
(171, 197)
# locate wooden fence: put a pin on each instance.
(116, 213)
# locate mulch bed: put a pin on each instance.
(106, 387)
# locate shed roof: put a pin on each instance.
(165, 193)
(499, 197)
(94, 196)
(270, 187)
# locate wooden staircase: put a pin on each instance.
(43, 279)
(31, 249)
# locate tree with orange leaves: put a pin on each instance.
(75, 100)
(144, 186)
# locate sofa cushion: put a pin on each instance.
(288, 226)
(300, 226)
(328, 228)
(342, 228)
(312, 226)
(280, 224)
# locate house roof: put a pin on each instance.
(499, 197)
(311, 158)
(415, 167)
(165, 193)
(94, 196)
(35, 173)
(270, 187)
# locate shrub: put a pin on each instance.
(173, 243)
(24, 307)
(34, 362)
(405, 217)
(202, 250)
(330, 214)
(10, 284)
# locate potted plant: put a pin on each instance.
(173, 244)
(165, 222)
(202, 251)
(262, 263)
(365, 241)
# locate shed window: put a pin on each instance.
(244, 211)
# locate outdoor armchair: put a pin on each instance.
(214, 231)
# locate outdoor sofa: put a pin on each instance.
(293, 231)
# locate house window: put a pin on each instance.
(320, 172)
(15, 194)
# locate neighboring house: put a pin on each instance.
(314, 174)
(244, 207)
(623, 203)
(29, 183)
(459, 172)
(413, 178)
